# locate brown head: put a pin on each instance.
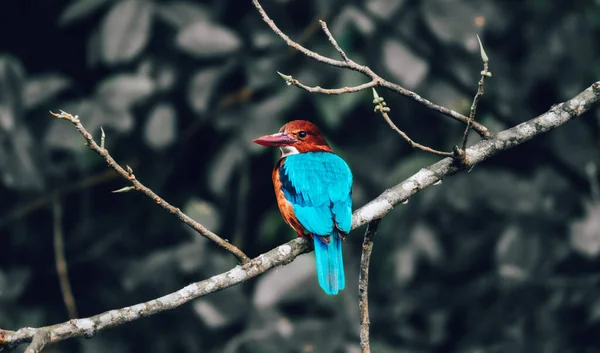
(297, 136)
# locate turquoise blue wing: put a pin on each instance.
(318, 185)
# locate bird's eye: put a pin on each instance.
(302, 134)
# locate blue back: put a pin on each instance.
(319, 187)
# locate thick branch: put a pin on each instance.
(363, 285)
(89, 326)
(128, 175)
(558, 115)
(376, 209)
(39, 340)
(365, 70)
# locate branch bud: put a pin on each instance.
(484, 56)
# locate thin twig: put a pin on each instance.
(473, 112)
(383, 110)
(334, 42)
(592, 174)
(291, 43)
(128, 175)
(61, 262)
(365, 70)
(333, 91)
(24, 209)
(363, 285)
(341, 90)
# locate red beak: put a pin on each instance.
(276, 140)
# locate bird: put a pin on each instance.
(313, 188)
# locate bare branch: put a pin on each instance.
(473, 112)
(365, 70)
(380, 106)
(558, 115)
(375, 209)
(363, 285)
(281, 255)
(61, 262)
(291, 43)
(128, 175)
(334, 42)
(318, 89)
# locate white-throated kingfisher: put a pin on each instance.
(313, 187)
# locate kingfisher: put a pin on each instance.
(313, 187)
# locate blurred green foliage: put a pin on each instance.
(501, 259)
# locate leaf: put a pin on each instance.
(205, 39)
(94, 48)
(221, 310)
(585, 233)
(405, 263)
(517, 253)
(285, 283)
(409, 165)
(12, 76)
(384, 9)
(351, 19)
(203, 212)
(201, 87)
(403, 64)
(121, 92)
(18, 166)
(40, 89)
(575, 145)
(425, 241)
(223, 165)
(160, 130)
(80, 9)
(125, 30)
(441, 16)
(334, 108)
(182, 13)
(13, 282)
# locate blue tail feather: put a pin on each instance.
(330, 264)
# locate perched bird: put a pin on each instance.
(313, 187)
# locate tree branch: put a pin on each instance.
(333, 91)
(138, 186)
(382, 107)
(60, 259)
(363, 285)
(558, 115)
(473, 112)
(365, 70)
(281, 255)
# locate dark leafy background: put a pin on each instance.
(501, 259)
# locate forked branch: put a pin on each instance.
(473, 112)
(348, 63)
(128, 175)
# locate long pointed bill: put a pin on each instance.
(276, 140)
